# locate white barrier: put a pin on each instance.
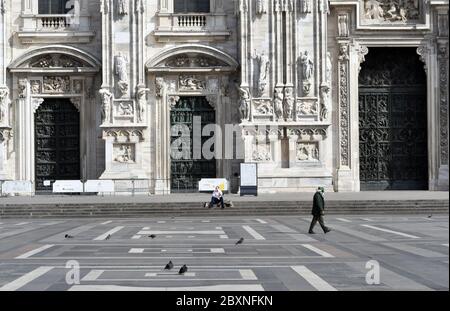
(211, 184)
(92, 186)
(68, 186)
(17, 187)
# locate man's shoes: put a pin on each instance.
(311, 232)
(327, 230)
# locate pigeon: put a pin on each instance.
(183, 269)
(241, 240)
(67, 236)
(169, 266)
(108, 237)
(430, 216)
(152, 236)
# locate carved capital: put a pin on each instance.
(173, 100)
(423, 52)
(36, 102)
(362, 52)
(76, 101)
(5, 134)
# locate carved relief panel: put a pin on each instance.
(124, 153)
(391, 11)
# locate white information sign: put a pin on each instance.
(211, 184)
(249, 174)
(99, 186)
(67, 186)
(17, 186)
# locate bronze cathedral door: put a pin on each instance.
(393, 121)
(57, 142)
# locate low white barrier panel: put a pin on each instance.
(93, 186)
(211, 184)
(17, 187)
(67, 186)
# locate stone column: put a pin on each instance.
(443, 182)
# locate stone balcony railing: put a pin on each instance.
(62, 28)
(187, 27)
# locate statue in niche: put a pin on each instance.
(306, 6)
(106, 105)
(307, 65)
(159, 86)
(141, 101)
(4, 104)
(278, 103)
(325, 103)
(343, 25)
(121, 63)
(122, 7)
(289, 102)
(264, 67)
(22, 88)
(261, 7)
(244, 104)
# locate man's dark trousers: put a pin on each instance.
(318, 218)
(216, 201)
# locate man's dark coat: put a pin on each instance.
(318, 204)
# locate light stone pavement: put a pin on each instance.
(277, 254)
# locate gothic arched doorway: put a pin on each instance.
(393, 121)
(57, 142)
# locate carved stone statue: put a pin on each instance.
(343, 25)
(4, 104)
(264, 67)
(374, 10)
(122, 7)
(289, 102)
(159, 86)
(106, 105)
(278, 103)
(325, 102)
(22, 87)
(141, 101)
(121, 63)
(244, 104)
(307, 66)
(261, 7)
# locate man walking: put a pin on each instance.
(217, 197)
(318, 211)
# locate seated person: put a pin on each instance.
(217, 197)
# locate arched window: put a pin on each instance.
(191, 6)
(54, 6)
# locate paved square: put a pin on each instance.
(276, 255)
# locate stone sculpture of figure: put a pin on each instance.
(278, 103)
(343, 25)
(159, 86)
(307, 65)
(261, 7)
(121, 63)
(141, 101)
(106, 105)
(244, 104)
(22, 88)
(122, 7)
(325, 103)
(374, 10)
(289, 102)
(4, 105)
(125, 155)
(264, 66)
(126, 109)
(329, 69)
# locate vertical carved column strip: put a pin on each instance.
(344, 105)
(443, 106)
(106, 42)
(279, 42)
(243, 12)
(3, 40)
(289, 43)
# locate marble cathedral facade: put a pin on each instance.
(351, 95)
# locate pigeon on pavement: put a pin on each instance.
(241, 240)
(152, 236)
(67, 236)
(169, 266)
(108, 237)
(183, 269)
